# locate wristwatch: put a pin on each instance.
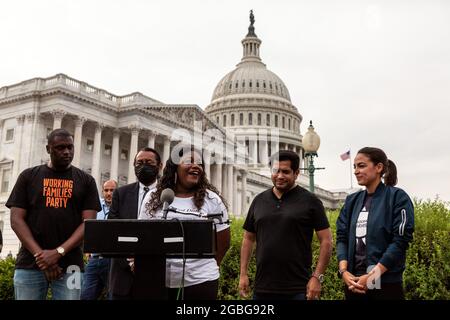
(61, 251)
(318, 277)
(341, 272)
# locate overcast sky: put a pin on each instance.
(368, 73)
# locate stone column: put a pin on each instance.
(286, 146)
(58, 115)
(243, 192)
(36, 131)
(151, 140)
(133, 151)
(235, 193)
(218, 176)
(18, 145)
(263, 153)
(114, 170)
(253, 152)
(300, 154)
(224, 176)
(1, 137)
(27, 139)
(96, 154)
(207, 165)
(230, 194)
(77, 141)
(166, 150)
(275, 146)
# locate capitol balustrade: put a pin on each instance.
(75, 86)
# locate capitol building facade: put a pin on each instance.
(250, 113)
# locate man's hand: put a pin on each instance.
(244, 286)
(313, 289)
(131, 264)
(47, 258)
(53, 272)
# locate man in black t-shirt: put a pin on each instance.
(281, 221)
(48, 206)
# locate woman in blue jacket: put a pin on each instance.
(373, 231)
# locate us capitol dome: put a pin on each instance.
(252, 97)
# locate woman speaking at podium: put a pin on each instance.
(194, 198)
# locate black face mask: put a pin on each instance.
(146, 173)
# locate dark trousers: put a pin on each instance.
(116, 297)
(95, 278)
(203, 291)
(388, 291)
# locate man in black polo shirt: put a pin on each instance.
(281, 220)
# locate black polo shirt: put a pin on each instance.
(284, 230)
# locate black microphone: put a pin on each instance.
(167, 196)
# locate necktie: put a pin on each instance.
(146, 189)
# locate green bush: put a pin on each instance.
(6, 279)
(229, 270)
(427, 275)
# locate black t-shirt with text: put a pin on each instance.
(284, 229)
(54, 201)
(361, 237)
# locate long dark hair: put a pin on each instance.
(168, 180)
(376, 155)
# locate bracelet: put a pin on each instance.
(341, 272)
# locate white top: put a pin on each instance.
(361, 225)
(196, 270)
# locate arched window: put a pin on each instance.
(232, 119)
(225, 120)
(241, 119)
(259, 119)
(276, 121)
(268, 119)
(250, 119)
(283, 122)
(289, 123)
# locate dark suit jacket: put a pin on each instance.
(124, 206)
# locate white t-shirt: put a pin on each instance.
(196, 270)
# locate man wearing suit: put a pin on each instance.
(126, 203)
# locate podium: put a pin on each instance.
(150, 242)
